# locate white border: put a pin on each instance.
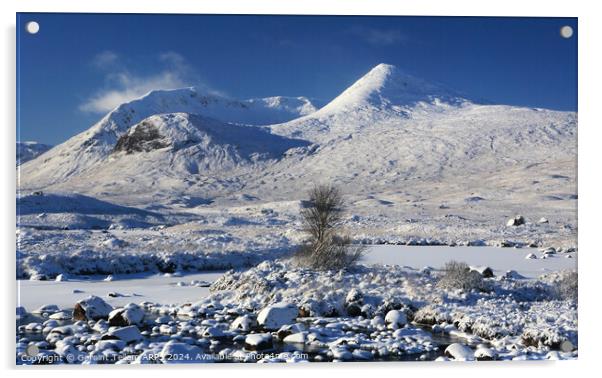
(590, 158)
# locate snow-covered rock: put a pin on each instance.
(258, 341)
(61, 315)
(531, 256)
(516, 221)
(91, 308)
(460, 352)
(113, 243)
(275, 316)
(484, 271)
(175, 352)
(128, 334)
(396, 319)
(244, 323)
(513, 275)
(296, 338)
(47, 309)
(130, 314)
(483, 353)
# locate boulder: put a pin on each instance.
(91, 308)
(47, 309)
(258, 341)
(459, 352)
(175, 352)
(275, 316)
(531, 256)
(212, 332)
(354, 296)
(516, 221)
(296, 338)
(61, 315)
(131, 314)
(354, 309)
(70, 354)
(128, 334)
(484, 271)
(289, 329)
(396, 319)
(543, 220)
(513, 275)
(484, 353)
(244, 323)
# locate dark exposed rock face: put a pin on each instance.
(144, 138)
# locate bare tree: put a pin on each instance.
(326, 248)
(323, 211)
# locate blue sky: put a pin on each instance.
(79, 65)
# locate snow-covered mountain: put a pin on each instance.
(92, 146)
(389, 134)
(27, 151)
(385, 92)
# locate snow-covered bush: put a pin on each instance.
(459, 276)
(325, 249)
(333, 253)
(568, 285)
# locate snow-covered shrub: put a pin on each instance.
(459, 276)
(325, 249)
(568, 285)
(333, 253)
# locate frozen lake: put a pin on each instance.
(498, 259)
(164, 289)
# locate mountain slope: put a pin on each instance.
(169, 149)
(27, 151)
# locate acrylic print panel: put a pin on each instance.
(212, 188)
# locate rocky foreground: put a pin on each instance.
(277, 312)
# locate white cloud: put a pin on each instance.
(380, 37)
(124, 85)
(105, 59)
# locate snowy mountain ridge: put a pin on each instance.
(92, 146)
(29, 150)
(387, 131)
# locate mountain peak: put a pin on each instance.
(386, 86)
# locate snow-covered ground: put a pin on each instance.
(277, 312)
